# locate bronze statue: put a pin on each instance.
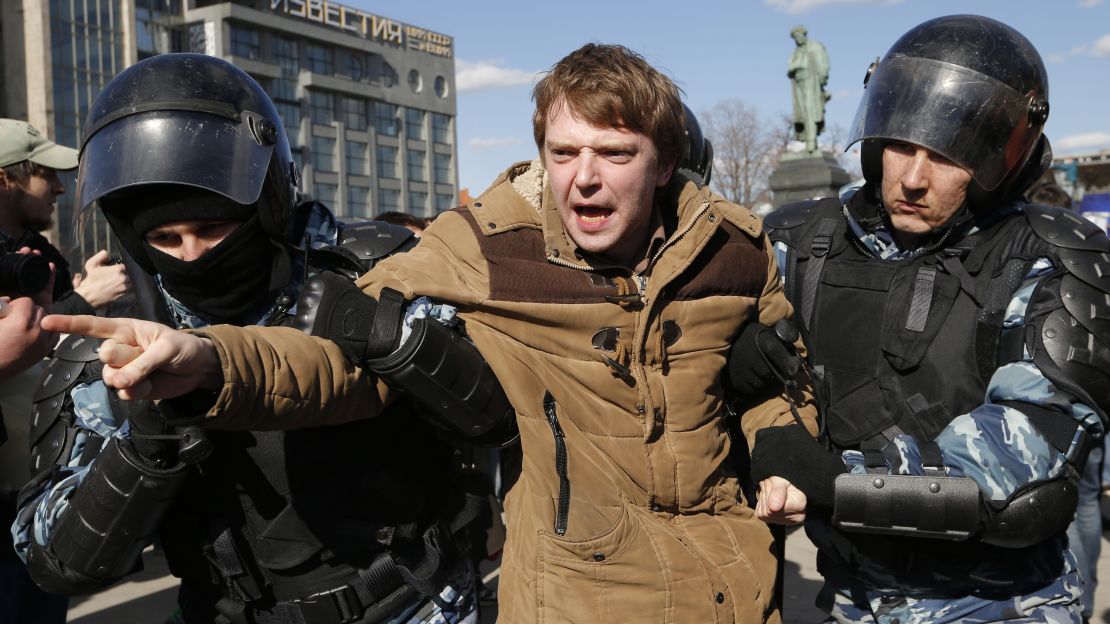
(808, 72)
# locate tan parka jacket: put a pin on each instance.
(627, 508)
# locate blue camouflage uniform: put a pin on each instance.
(46, 498)
(991, 441)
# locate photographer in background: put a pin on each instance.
(29, 186)
(25, 297)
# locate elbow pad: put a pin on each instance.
(1031, 515)
(444, 373)
(114, 513)
(905, 505)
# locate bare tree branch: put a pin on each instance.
(746, 148)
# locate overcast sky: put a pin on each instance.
(719, 50)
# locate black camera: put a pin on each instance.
(23, 275)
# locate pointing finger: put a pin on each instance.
(86, 325)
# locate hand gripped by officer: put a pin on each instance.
(145, 360)
(794, 472)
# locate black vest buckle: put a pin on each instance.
(335, 606)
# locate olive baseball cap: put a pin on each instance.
(21, 141)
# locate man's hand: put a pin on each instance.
(24, 342)
(779, 502)
(103, 281)
(791, 453)
(145, 360)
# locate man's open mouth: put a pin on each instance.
(592, 214)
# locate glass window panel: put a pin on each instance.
(443, 168)
(318, 59)
(418, 202)
(324, 193)
(321, 107)
(385, 119)
(245, 42)
(358, 202)
(357, 162)
(388, 199)
(414, 123)
(387, 162)
(323, 153)
(416, 160)
(441, 129)
(354, 113)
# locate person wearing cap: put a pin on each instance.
(29, 186)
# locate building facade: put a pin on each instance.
(368, 102)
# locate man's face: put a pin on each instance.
(922, 190)
(32, 200)
(603, 180)
(799, 37)
(189, 240)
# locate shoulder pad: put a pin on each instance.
(790, 215)
(1066, 229)
(78, 349)
(373, 240)
(1090, 266)
(59, 375)
(1090, 306)
(1079, 354)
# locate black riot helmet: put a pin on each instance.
(697, 153)
(191, 120)
(967, 87)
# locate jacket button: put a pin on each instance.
(720, 598)
(555, 253)
(599, 556)
(713, 219)
(491, 225)
(477, 204)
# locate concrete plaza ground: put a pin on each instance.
(148, 597)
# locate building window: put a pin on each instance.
(414, 123)
(387, 162)
(358, 201)
(291, 117)
(444, 202)
(357, 163)
(442, 164)
(284, 52)
(323, 153)
(389, 75)
(416, 82)
(244, 42)
(354, 113)
(356, 66)
(321, 107)
(385, 119)
(418, 203)
(441, 87)
(324, 193)
(318, 59)
(388, 200)
(441, 129)
(416, 166)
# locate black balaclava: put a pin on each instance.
(230, 281)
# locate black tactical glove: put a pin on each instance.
(762, 356)
(791, 453)
(332, 307)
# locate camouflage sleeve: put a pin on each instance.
(996, 444)
(44, 499)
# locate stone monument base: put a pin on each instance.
(804, 175)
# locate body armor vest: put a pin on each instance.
(908, 344)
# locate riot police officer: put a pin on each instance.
(188, 159)
(957, 335)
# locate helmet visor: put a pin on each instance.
(969, 118)
(174, 147)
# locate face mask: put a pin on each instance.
(229, 281)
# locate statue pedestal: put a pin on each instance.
(802, 175)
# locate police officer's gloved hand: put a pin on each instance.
(791, 453)
(332, 307)
(763, 357)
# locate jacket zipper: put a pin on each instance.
(560, 464)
